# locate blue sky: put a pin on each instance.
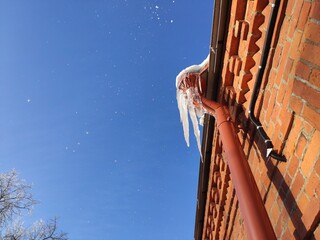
(88, 112)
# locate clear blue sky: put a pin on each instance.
(88, 113)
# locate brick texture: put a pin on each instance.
(288, 107)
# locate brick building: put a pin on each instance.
(287, 106)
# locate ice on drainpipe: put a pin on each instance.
(185, 103)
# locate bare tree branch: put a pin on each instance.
(16, 198)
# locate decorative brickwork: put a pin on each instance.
(288, 107)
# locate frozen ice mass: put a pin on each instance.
(186, 99)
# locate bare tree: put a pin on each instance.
(42, 230)
(15, 231)
(16, 198)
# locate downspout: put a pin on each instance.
(257, 85)
(257, 222)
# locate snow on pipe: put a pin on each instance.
(189, 100)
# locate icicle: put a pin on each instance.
(183, 109)
(186, 100)
(194, 121)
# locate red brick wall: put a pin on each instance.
(289, 109)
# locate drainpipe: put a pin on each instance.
(257, 222)
(257, 85)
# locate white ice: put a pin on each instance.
(185, 104)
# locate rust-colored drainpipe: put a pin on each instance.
(257, 222)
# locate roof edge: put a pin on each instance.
(218, 36)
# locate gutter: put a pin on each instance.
(218, 37)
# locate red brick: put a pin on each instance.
(295, 51)
(282, 167)
(317, 167)
(308, 128)
(278, 24)
(304, 15)
(290, 202)
(270, 129)
(293, 136)
(315, 10)
(302, 70)
(311, 53)
(275, 213)
(287, 234)
(312, 116)
(292, 28)
(227, 76)
(315, 77)
(256, 58)
(312, 32)
(282, 222)
(267, 13)
(260, 5)
(271, 198)
(275, 113)
(232, 62)
(270, 106)
(297, 127)
(245, 78)
(311, 214)
(237, 66)
(248, 63)
(301, 146)
(252, 46)
(297, 9)
(240, 97)
(293, 166)
(266, 99)
(284, 57)
(311, 154)
(277, 56)
(289, 147)
(255, 19)
(303, 201)
(281, 92)
(288, 93)
(294, 21)
(289, 8)
(297, 184)
(312, 185)
(296, 104)
(285, 185)
(307, 93)
(288, 69)
(284, 30)
(277, 142)
(241, 29)
(232, 45)
(278, 229)
(277, 179)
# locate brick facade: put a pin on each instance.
(288, 107)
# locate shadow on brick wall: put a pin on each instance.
(291, 211)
